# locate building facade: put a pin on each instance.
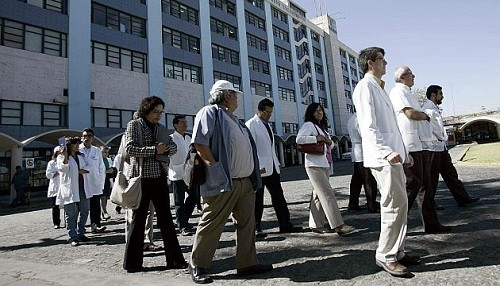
(66, 65)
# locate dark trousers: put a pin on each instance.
(183, 208)
(362, 177)
(56, 212)
(418, 182)
(156, 191)
(278, 200)
(442, 164)
(20, 198)
(95, 210)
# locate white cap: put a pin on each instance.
(57, 149)
(223, 85)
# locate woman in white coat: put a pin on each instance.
(72, 194)
(54, 180)
(323, 200)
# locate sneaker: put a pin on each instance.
(75, 243)
(344, 229)
(56, 226)
(105, 216)
(97, 229)
(187, 231)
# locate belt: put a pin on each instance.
(239, 179)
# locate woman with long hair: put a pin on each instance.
(54, 181)
(149, 158)
(323, 200)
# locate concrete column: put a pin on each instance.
(293, 51)
(281, 154)
(155, 49)
(79, 64)
(206, 49)
(245, 70)
(313, 65)
(329, 111)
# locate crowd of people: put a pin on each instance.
(398, 150)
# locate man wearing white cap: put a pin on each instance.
(232, 176)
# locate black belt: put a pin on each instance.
(239, 179)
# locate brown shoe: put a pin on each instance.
(393, 268)
(344, 229)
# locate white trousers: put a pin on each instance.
(323, 200)
(393, 212)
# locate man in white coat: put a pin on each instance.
(269, 170)
(384, 153)
(93, 181)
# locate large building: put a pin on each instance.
(70, 64)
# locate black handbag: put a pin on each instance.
(194, 169)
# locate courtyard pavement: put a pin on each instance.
(33, 253)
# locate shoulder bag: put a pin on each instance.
(194, 169)
(312, 148)
(127, 193)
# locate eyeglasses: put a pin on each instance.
(156, 112)
(87, 135)
(269, 112)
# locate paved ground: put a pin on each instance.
(32, 253)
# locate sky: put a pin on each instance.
(452, 43)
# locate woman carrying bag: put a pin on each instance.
(147, 159)
(323, 200)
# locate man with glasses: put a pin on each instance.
(384, 153)
(93, 180)
(269, 170)
(415, 128)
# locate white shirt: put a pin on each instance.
(307, 135)
(176, 166)
(437, 125)
(357, 148)
(241, 150)
(401, 98)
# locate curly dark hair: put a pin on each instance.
(309, 116)
(368, 54)
(148, 104)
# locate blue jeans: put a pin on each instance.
(76, 216)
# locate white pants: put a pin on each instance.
(323, 200)
(393, 212)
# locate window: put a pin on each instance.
(20, 36)
(315, 36)
(256, 42)
(181, 71)
(281, 34)
(290, 127)
(344, 66)
(318, 68)
(282, 53)
(346, 80)
(321, 85)
(226, 55)
(235, 80)
(285, 74)
(280, 15)
(257, 3)
(350, 108)
(317, 52)
(258, 65)
(32, 113)
(286, 94)
(255, 21)
(347, 94)
(224, 29)
(352, 60)
(323, 102)
(225, 5)
(114, 19)
(180, 11)
(354, 83)
(343, 54)
(59, 6)
(116, 57)
(111, 118)
(260, 88)
(180, 40)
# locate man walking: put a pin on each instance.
(183, 209)
(20, 182)
(441, 161)
(413, 125)
(362, 176)
(269, 170)
(93, 181)
(384, 153)
(232, 176)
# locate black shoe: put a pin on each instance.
(468, 202)
(199, 275)
(355, 208)
(260, 234)
(82, 238)
(256, 269)
(177, 265)
(291, 229)
(135, 269)
(408, 260)
(439, 229)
